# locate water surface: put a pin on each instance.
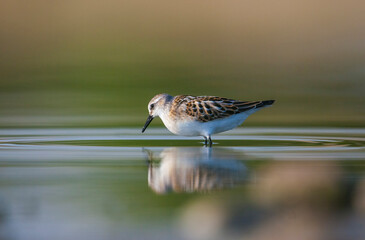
(117, 183)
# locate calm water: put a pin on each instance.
(254, 183)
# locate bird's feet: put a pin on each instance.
(208, 141)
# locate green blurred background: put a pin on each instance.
(97, 63)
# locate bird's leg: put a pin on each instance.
(210, 141)
(205, 140)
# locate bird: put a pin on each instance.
(188, 115)
(192, 169)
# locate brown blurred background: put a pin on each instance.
(98, 63)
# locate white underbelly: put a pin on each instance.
(185, 128)
(224, 124)
(195, 128)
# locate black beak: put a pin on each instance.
(149, 120)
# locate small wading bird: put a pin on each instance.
(201, 115)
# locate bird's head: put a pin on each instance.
(155, 107)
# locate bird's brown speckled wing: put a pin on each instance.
(179, 105)
(208, 108)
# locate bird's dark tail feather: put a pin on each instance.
(265, 103)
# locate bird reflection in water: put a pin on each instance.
(189, 169)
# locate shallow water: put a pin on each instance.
(119, 183)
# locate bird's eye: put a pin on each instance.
(152, 106)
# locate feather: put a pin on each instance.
(209, 108)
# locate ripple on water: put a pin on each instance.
(127, 143)
(57, 181)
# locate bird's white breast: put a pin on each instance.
(188, 127)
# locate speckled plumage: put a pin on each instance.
(201, 115)
(209, 108)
